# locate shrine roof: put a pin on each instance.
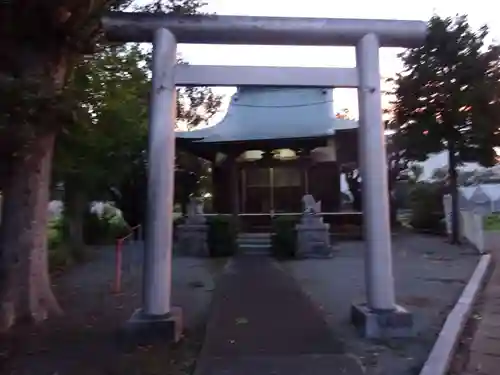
(268, 113)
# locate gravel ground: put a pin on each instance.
(83, 341)
(430, 275)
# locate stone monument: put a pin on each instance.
(313, 235)
(192, 234)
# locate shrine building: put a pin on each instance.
(274, 146)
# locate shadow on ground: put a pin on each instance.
(84, 340)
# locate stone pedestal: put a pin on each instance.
(384, 324)
(143, 329)
(192, 239)
(313, 238)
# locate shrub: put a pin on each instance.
(103, 230)
(426, 203)
(55, 233)
(97, 230)
(59, 256)
(284, 237)
(222, 236)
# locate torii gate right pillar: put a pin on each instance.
(379, 316)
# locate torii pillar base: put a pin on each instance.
(372, 324)
(143, 330)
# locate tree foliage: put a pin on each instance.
(110, 93)
(185, 7)
(447, 97)
(38, 59)
(449, 92)
(104, 154)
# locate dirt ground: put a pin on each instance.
(84, 341)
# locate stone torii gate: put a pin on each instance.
(380, 315)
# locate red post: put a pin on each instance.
(117, 283)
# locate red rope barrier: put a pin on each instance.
(117, 283)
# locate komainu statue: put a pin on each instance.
(195, 212)
(311, 207)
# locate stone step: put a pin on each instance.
(254, 245)
(254, 242)
(254, 235)
(254, 239)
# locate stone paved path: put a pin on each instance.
(262, 323)
(484, 350)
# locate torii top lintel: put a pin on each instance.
(215, 29)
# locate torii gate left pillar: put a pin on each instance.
(379, 316)
(158, 319)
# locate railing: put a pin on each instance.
(287, 214)
(134, 233)
(338, 221)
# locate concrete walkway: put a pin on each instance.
(262, 323)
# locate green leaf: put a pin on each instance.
(448, 94)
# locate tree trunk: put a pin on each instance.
(453, 188)
(75, 205)
(25, 291)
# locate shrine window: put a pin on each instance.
(286, 177)
(258, 177)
